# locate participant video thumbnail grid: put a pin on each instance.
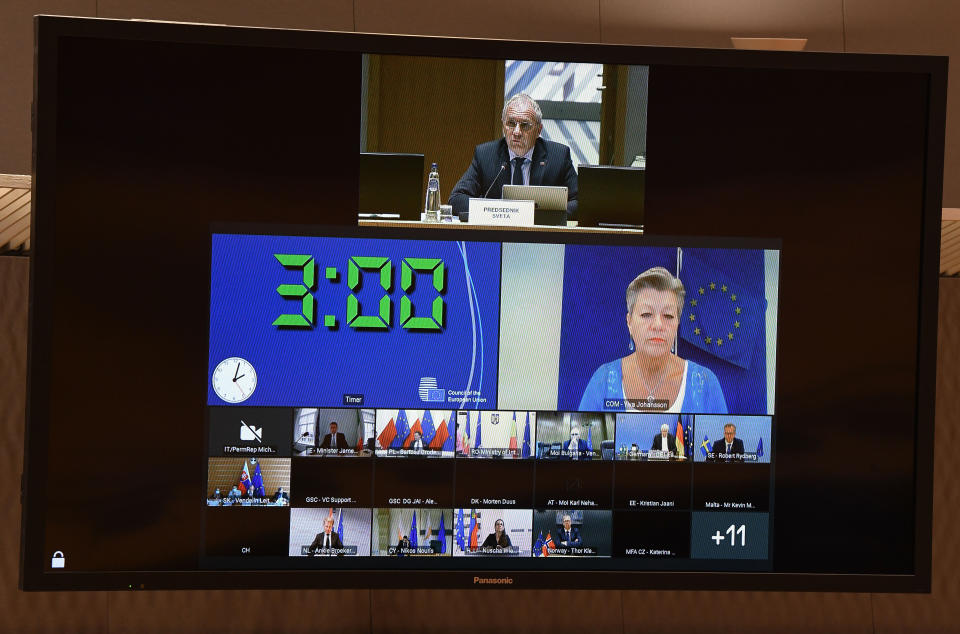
(428, 483)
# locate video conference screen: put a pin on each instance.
(373, 397)
(270, 372)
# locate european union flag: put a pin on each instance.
(448, 444)
(257, 481)
(476, 444)
(442, 535)
(340, 527)
(538, 546)
(460, 541)
(413, 531)
(721, 314)
(403, 430)
(526, 438)
(427, 426)
(760, 449)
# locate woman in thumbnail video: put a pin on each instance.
(498, 538)
(652, 377)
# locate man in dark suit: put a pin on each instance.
(417, 443)
(334, 440)
(521, 157)
(576, 447)
(729, 448)
(665, 441)
(280, 495)
(402, 545)
(327, 539)
(569, 535)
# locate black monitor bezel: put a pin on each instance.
(50, 29)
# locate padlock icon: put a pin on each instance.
(58, 560)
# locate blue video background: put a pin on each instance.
(317, 366)
(754, 431)
(594, 329)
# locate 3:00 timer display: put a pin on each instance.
(356, 265)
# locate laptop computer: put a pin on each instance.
(550, 203)
(391, 185)
(610, 196)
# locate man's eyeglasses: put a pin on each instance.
(525, 126)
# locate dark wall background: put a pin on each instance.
(443, 610)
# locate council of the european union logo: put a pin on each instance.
(429, 392)
(720, 315)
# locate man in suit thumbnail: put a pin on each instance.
(569, 535)
(729, 448)
(521, 157)
(665, 441)
(417, 444)
(334, 440)
(403, 544)
(280, 495)
(576, 447)
(327, 539)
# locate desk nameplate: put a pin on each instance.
(509, 213)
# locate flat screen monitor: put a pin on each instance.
(611, 196)
(390, 185)
(233, 383)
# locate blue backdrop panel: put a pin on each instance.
(754, 431)
(594, 329)
(594, 326)
(392, 367)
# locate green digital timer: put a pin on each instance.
(356, 266)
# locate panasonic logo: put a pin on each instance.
(499, 581)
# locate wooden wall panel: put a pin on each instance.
(746, 612)
(547, 20)
(928, 27)
(440, 108)
(711, 24)
(332, 15)
(16, 74)
(240, 612)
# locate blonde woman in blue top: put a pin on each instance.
(652, 373)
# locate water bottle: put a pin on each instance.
(431, 206)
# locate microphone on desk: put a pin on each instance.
(503, 166)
